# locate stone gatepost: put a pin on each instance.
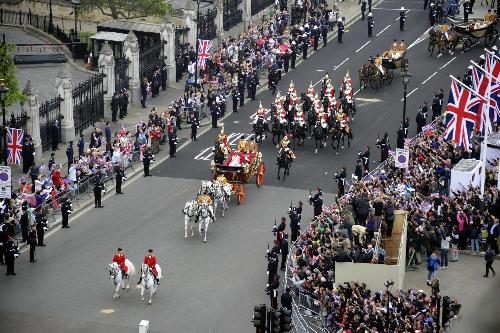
(131, 51)
(64, 89)
(219, 21)
(31, 107)
(190, 19)
(247, 14)
(168, 37)
(106, 65)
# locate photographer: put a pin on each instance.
(340, 177)
(384, 146)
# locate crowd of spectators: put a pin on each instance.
(436, 222)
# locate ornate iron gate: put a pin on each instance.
(150, 60)
(232, 15)
(50, 111)
(259, 5)
(207, 25)
(19, 121)
(121, 74)
(88, 102)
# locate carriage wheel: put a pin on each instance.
(241, 194)
(491, 38)
(260, 174)
(390, 76)
(467, 44)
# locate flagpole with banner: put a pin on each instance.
(486, 125)
(197, 43)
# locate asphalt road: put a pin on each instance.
(211, 287)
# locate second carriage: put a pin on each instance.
(472, 32)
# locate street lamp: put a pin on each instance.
(406, 79)
(76, 3)
(4, 90)
(196, 45)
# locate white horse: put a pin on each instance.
(221, 196)
(116, 274)
(148, 281)
(205, 215)
(207, 187)
(190, 216)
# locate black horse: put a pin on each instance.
(284, 161)
(319, 136)
(278, 129)
(336, 136)
(260, 128)
(348, 107)
(299, 133)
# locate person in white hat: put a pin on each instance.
(402, 19)
(371, 23)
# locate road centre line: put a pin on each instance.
(411, 92)
(383, 30)
(346, 59)
(368, 42)
(449, 62)
(430, 77)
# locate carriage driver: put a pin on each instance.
(445, 31)
(120, 258)
(402, 46)
(150, 260)
(378, 62)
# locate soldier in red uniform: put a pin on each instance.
(119, 258)
(150, 260)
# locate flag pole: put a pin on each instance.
(197, 46)
(465, 87)
(491, 53)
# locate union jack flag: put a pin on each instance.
(204, 47)
(14, 145)
(461, 114)
(486, 118)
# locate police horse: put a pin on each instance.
(190, 216)
(319, 134)
(299, 133)
(260, 128)
(284, 161)
(148, 281)
(120, 279)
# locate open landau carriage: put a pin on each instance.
(471, 32)
(394, 58)
(239, 165)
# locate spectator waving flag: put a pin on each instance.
(14, 145)
(461, 114)
(204, 47)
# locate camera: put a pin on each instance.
(389, 283)
(45, 228)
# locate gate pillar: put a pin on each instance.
(31, 107)
(131, 51)
(190, 20)
(219, 21)
(64, 88)
(168, 38)
(247, 14)
(106, 65)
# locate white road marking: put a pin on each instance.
(430, 77)
(356, 92)
(320, 70)
(346, 59)
(371, 100)
(449, 62)
(368, 42)
(383, 30)
(420, 39)
(411, 92)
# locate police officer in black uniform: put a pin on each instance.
(324, 32)
(432, 14)
(305, 45)
(11, 253)
(467, 80)
(120, 104)
(284, 251)
(363, 9)
(293, 54)
(120, 176)
(236, 97)
(172, 141)
(365, 159)
(436, 107)
(286, 60)
(315, 34)
(400, 141)
(146, 161)
(294, 223)
(214, 111)
(341, 177)
(125, 101)
(32, 242)
(340, 30)
(371, 23)
(317, 202)
(163, 74)
(195, 124)
(66, 209)
(421, 120)
(384, 146)
(115, 103)
(24, 221)
(41, 226)
(467, 10)
(252, 87)
(241, 88)
(402, 19)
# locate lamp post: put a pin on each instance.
(51, 22)
(196, 43)
(4, 90)
(76, 3)
(406, 79)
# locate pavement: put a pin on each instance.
(212, 287)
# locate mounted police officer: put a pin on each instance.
(402, 19)
(371, 24)
(340, 30)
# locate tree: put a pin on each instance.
(128, 9)
(8, 74)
